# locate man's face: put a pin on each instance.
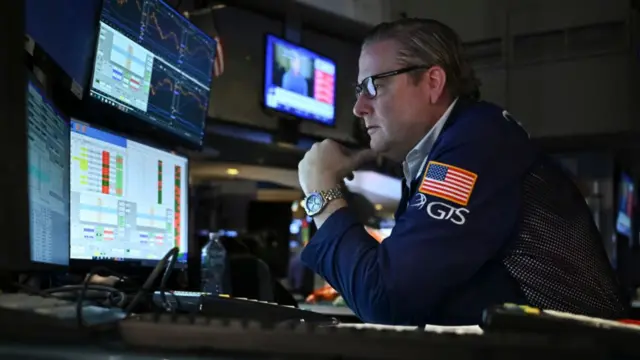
(295, 64)
(394, 118)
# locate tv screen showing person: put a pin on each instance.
(299, 82)
(293, 79)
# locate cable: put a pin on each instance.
(163, 283)
(170, 257)
(77, 288)
(27, 289)
(148, 284)
(83, 292)
(82, 289)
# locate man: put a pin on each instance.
(485, 218)
(293, 80)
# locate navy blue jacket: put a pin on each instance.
(491, 220)
(442, 263)
(436, 266)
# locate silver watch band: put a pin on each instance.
(332, 194)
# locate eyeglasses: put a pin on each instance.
(368, 85)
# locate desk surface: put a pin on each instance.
(512, 347)
(46, 352)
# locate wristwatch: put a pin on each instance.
(315, 202)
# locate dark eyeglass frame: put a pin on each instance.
(362, 87)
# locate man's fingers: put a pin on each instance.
(358, 159)
(362, 157)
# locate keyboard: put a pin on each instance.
(224, 307)
(31, 316)
(220, 307)
(512, 317)
(201, 335)
(183, 301)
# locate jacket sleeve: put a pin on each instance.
(450, 229)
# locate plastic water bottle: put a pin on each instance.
(214, 266)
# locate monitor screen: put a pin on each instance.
(299, 82)
(48, 149)
(66, 31)
(626, 205)
(153, 63)
(128, 200)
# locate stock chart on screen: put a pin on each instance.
(48, 134)
(128, 200)
(154, 63)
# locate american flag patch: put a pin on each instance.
(448, 182)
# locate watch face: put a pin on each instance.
(314, 203)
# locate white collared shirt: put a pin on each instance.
(416, 159)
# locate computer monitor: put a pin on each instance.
(626, 205)
(128, 200)
(153, 63)
(299, 82)
(48, 168)
(66, 31)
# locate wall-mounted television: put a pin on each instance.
(299, 82)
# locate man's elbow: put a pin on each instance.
(378, 311)
(388, 309)
(381, 307)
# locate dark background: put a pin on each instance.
(562, 68)
(242, 34)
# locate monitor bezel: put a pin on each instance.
(291, 115)
(61, 79)
(129, 123)
(14, 213)
(123, 265)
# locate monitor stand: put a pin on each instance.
(288, 132)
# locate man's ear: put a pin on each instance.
(435, 80)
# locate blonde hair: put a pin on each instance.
(430, 42)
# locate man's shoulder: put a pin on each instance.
(486, 140)
(487, 121)
(484, 124)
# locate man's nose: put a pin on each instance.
(362, 107)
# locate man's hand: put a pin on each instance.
(327, 163)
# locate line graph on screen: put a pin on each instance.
(178, 99)
(125, 14)
(166, 33)
(174, 40)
